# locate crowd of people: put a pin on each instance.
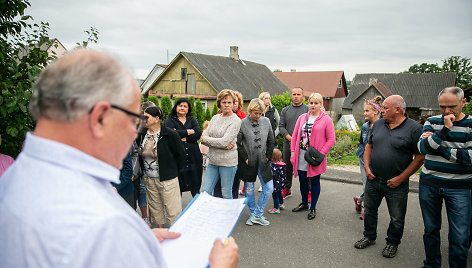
(93, 138)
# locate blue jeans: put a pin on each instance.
(397, 200)
(363, 176)
(304, 188)
(213, 173)
(142, 202)
(267, 189)
(458, 207)
(278, 199)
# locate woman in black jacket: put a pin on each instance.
(181, 120)
(163, 155)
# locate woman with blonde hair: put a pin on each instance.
(220, 137)
(313, 129)
(270, 112)
(371, 114)
(238, 105)
(255, 146)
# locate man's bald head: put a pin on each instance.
(71, 85)
(397, 100)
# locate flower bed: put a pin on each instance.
(344, 150)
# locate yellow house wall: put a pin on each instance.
(171, 83)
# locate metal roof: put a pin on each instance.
(247, 77)
(420, 90)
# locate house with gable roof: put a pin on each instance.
(151, 77)
(53, 47)
(330, 84)
(203, 76)
(419, 90)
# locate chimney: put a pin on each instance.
(233, 52)
(293, 70)
(372, 81)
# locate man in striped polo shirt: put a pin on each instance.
(447, 175)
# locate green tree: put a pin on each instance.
(92, 37)
(191, 99)
(215, 110)
(460, 65)
(207, 114)
(166, 105)
(200, 113)
(424, 68)
(463, 69)
(21, 61)
(154, 99)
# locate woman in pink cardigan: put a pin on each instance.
(318, 127)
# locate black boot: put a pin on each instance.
(312, 214)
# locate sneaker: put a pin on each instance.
(309, 197)
(274, 211)
(260, 220)
(260, 189)
(390, 251)
(146, 220)
(287, 194)
(358, 205)
(249, 221)
(282, 206)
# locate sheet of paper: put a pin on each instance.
(208, 218)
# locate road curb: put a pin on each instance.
(414, 186)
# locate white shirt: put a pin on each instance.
(58, 209)
(306, 128)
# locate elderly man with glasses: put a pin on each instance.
(57, 207)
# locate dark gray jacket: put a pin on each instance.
(255, 144)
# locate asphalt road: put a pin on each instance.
(327, 241)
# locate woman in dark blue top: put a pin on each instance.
(371, 114)
(181, 120)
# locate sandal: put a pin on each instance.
(390, 251)
(363, 243)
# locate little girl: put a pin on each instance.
(278, 169)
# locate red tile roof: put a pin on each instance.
(325, 83)
(382, 89)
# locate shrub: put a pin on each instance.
(207, 114)
(215, 110)
(200, 113)
(166, 105)
(154, 99)
(191, 99)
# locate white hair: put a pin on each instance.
(453, 90)
(73, 84)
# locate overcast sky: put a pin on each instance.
(364, 36)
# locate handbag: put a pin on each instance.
(312, 156)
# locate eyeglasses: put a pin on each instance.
(140, 119)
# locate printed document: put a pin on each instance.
(205, 219)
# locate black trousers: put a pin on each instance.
(288, 165)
